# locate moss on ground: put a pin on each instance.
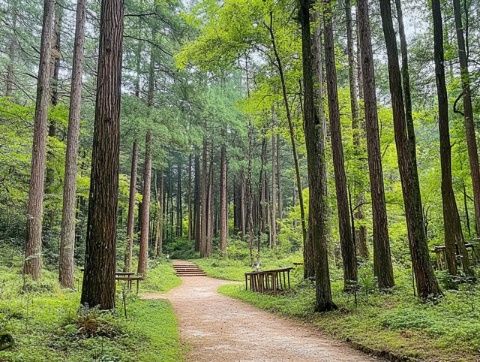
(47, 324)
(395, 324)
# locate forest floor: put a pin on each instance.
(47, 325)
(219, 328)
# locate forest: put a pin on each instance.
(222, 180)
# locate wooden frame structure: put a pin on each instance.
(273, 281)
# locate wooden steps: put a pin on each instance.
(188, 270)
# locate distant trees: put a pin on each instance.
(99, 275)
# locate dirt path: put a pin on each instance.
(218, 328)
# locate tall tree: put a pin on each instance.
(179, 223)
(99, 275)
(451, 219)
(360, 237)
(468, 112)
(316, 163)
(381, 243)
(283, 82)
(145, 210)
(159, 221)
(223, 200)
(346, 236)
(67, 239)
(131, 209)
(426, 283)
(33, 247)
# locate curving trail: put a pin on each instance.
(218, 328)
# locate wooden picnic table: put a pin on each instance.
(273, 280)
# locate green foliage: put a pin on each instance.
(46, 324)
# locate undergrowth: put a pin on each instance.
(46, 322)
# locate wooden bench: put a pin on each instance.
(274, 280)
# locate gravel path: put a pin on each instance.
(218, 328)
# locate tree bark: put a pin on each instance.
(159, 221)
(33, 247)
(204, 201)
(274, 198)
(381, 243)
(451, 218)
(99, 275)
(131, 209)
(346, 236)
(144, 229)
(223, 200)
(197, 203)
(314, 141)
(189, 200)
(67, 237)
(179, 223)
(360, 237)
(317, 50)
(279, 62)
(468, 113)
(426, 283)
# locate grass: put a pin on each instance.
(234, 267)
(395, 325)
(46, 322)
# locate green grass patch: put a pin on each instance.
(396, 323)
(232, 268)
(47, 324)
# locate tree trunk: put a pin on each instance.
(381, 244)
(468, 114)
(427, 285)
(67, 239)
(223, 200)
(145, 211)
(189, 201)
(131, 209)
(291, 131)
(33, 247)
(314, 141)
(451, 218)
(197, 203)
(159, 226)
(204, 201)
(346, 235)
(179, 225)
(274, 198)
(360, 237)
(279, 193)
(210, 208)
(99, 275)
